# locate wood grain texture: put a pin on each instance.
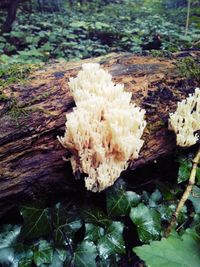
(31, 161)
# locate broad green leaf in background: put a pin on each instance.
(119, 201)
(147, 221)
(85, 254)
(112, 242)
(171, 252)
(78, 24)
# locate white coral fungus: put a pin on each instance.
(103, 132)
(186, 120)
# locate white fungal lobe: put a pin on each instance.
(104, 130)
(186, 120)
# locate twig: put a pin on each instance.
(188, 17)
(186, 194)
(196, 43)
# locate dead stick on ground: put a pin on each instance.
(186, 194)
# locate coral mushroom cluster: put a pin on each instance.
(186, 120)
(104, 130)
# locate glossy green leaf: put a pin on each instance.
(66, 222)
(119, 202)
(96, 217)
(8, 235)
(155, 198)
(59, 257)
(184, 170)
(93, 232)
(36, 222)
(26, 262)
(85, 255)
(198, 176)
(195, 198)
(112, 242)
(43, 253)
(147, 221)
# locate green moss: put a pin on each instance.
(12, 73)
(189, 68)
(15, 73)
(160, 53)
(16, 111)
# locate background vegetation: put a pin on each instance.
(126, 224)
(48, 29)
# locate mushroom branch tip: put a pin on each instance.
(185, 121)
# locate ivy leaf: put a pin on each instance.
(43, 254)
(8, 237)
(66, 222)
(59, 257)
(25, 262)
(112, 242)
(184, 169)
(119, 202)
(195, 198)
(93, 232)
(85, 254)
(96, 217)
(155, 198)
(145, 197)
(198, 175)
(166, 211)
(147, 221)
(112, 260)
(36, 222)
(23, 255)
(173, 251)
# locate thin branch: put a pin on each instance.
(188, 17)
(195, 43)
(186, 194)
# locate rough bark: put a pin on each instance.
(31, 161)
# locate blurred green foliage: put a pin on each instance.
(57, 29)
(189, 68)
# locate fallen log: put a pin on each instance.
(31, 163)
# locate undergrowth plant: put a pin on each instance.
(77, 33)
(189, 68)
(78, 232)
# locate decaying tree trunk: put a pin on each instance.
(31, 161)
